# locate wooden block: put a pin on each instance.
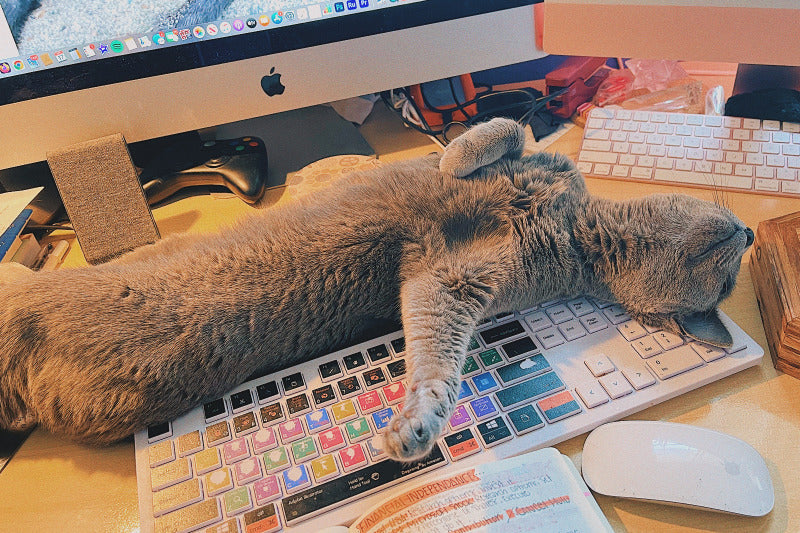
(775, 269)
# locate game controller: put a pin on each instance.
(240, 165)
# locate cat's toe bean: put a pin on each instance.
(412, 432)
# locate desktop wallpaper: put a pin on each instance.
(40, 25)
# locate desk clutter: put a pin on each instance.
(775, 268)
(301, 448)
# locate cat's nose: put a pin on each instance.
(750, 236)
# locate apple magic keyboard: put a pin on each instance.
(300, 449)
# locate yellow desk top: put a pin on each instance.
(54, 485)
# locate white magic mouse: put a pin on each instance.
(677, 464)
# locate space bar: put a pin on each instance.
(317, 499)
(701, 178)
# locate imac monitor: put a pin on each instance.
(75, 71)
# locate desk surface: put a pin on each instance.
(54, 485)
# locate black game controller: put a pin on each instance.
(240, 165)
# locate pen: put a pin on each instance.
(56, 256)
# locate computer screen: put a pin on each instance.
(73, 71)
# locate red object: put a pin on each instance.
(435, 118)
(581, 76)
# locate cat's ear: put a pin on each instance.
(482, 145)
(706, 327)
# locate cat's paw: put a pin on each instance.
(12, 272)
(412, 432)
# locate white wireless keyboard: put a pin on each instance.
(299, 450)
(712, 152)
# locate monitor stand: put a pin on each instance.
(766, 92)
(751, 78)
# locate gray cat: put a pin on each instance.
(438, 242)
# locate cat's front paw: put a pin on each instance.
(413, 431)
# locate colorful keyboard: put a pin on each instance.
(300, 450)
(712, 152)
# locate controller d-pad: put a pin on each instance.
(218, 161)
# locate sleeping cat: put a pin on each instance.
(439, 242)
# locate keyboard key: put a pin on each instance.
(394, 393)
(674, 362)
(344, 411)
(267, 489)
(483, 408)
(207, 460)
(471, 367)
(295, 479)
(494, 431)
(639, 378)
(304, 450)
(538, 320)
(592, 394)
(616, 385)
(485, 383)
(667, 340)
(189, 443)
(324, 396)
(218, 433)
(527, 391)
(461, 444)
(317, 421)
(378, 353)
(177, 496)
(380, 419)
(707, 352)
(374, 450)
(349, 387)
(267, 391)
(215, 410)
(271, 414)
(491, 358)
(374, 377)
(550, 337)
(324, 468)
(559, 406)
(520, 347)
(352, 458)
(161, 453)
(460, 417)
(465, 392)
(354, 362)
(358, 429)
(264, 439)
(504, 331)
(291, 430)
(646, 347)
(331, 440)
(293, 383)
(528, 367)
(241, 401)
(332, 493)
(559, 313)
(397, 369)
(475, 345)
(245, 424)
(369, 402)
(218, 481)
(616, 314)
(399, 345)
(631, 330)
(190, 518)
(276, 460)
(247, 471)
(237, 501)
(235, 450)
(525, 419)
(262, 520)
(330, 370)
(593, 322)
(599, 364)
(159, 431)
(572, 329)
(298, 405)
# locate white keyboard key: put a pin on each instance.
(711, 144)
(741, 135)
(713, 155)
(765, 172)
(691, 142)
(713, 121)
(684, 131)
(743, 170)
(580, 306)
(751, 123)
(585, 167)
(708, 180)
(731, 145)
(667, 340)
(770, 148)
(624, 114)
(600, 146)
(620, 147)
(707, 352)
(639, 378)
(550, 337)
(602, 169)
(598, 135)
(722, 133)
(754, 159)
(761, 136)
(572, 329)
(616, 314)
(781, 137)
(616, 385)
(613, 124)
(637, 137)
(664, 162)
(791, 127)
(787, 174)
(750, 146)
(772, 125)
(676, 152)
(559, 313)
(675, 118)
(646, 161)
(790, 187)
(768, 185)
(638, 149)
(593, 322)
(599, 364)
(592, 395)
(658, 117)
(790, 149)
(619, 136)
(631, 330)
(644, 116)
(595, 123)
(703, 166)
(538, 320)
(647, 347)
(683, 164)
(627, 160)
(666, 129)
(694, 120)
(732, 122)
(723, 168)
(657, 151)
(734, 157)
(702, 131)
(619, 171)
(674, 362)
(642, 173)
(597, 157)
(776, 160)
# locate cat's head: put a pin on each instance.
(669, 260)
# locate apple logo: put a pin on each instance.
(271, 83)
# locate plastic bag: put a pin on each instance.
(686, 97)
(614, 89)
(655, 74)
